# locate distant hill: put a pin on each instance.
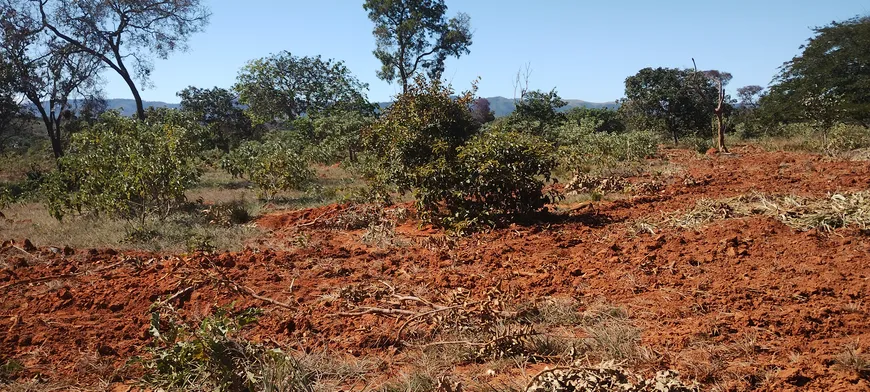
(500, 105)
(504, 106)
(128, 106)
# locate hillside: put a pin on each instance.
(500, 105)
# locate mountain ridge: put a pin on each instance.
(501, 106)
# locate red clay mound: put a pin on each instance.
(748, 298)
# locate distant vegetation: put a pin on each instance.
(468, 161)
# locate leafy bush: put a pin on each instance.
(274, 165)
(214, 357)
(429, 144)
(126, 168)
(845, 137)
(415, 142)
(586, 151)
(337, 137)
(500, 174)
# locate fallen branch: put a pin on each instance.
(262, 298)
(380, 311)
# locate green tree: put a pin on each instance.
(338, 136)
(415, 35)
(672, 100)
(273, 165)
(127, 168)
(282, 87)
(11, 111)
(218, 110)
(540, 110)
(601, 119)
(124, 35)
(748, 96)
(828, 82)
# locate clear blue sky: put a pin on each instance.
(584, 48)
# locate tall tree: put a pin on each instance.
(541, 109)
(749, 95)
(282, 87)
(11, 110)
(125, 34)
(830, 80)
(415, 35)
(49, 71)
(669, 99)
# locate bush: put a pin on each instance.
(500, 174)
(214, 357)
(337, 137)
(844, 137)
(414, 144)
(274, 165)
(124, 167)
(428, 143)
(586, 151)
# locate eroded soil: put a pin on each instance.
(759, 304)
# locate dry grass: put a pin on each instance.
(852, 359)
(825, 214)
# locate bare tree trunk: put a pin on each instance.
(721, 142)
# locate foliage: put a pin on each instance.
(415, 35)
(115, 32)
(539, 111)
(481, 111)
(11, 112)
(585, 151)
(678, 102)
(500, 174)
(126, 168)
(600, 119)
(416, 139)
(282, 87)
(428, 143)
(217, 109)
(273, 165)
(827, 83)
(47, 70)
(336, 137)
(212, 356)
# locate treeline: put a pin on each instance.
(285, 112)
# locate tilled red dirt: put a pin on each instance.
(765, 306)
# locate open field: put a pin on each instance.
(737, 298)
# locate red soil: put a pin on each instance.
(793, 299)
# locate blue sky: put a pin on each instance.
(584, 48)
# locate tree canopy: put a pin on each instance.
(282, 87)
(47, 70)
(830, 80)
(673, 100)
(217, 109)
(125, 35)
(415, 35)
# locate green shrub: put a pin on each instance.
(274, 165)
(418, 137)
(124, 167)
(337, 137)
(212, 356)
(427, 143)
(845, 137)
(500, 174)
(586, 151)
